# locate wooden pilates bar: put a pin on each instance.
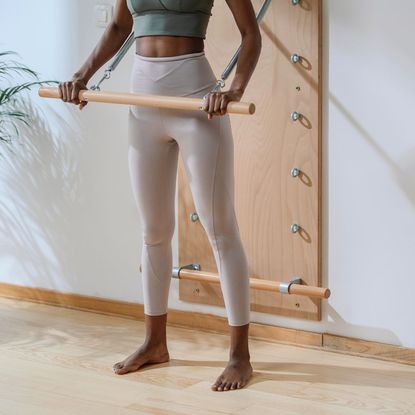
(94, 94)
(160, 101)
(192, 272)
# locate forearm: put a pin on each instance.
(109, 44)
(247, 61)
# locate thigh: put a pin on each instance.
(207, 150)
(152, 161)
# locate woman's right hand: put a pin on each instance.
(69, 91)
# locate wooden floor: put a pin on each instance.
(58, 361)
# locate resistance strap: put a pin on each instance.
(96, 95)
(220, 83)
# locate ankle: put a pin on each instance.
(155, 344)
(239, 356)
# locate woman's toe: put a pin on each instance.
(121, 370)
(217, 384)
(117, 365)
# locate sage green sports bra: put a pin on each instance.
(170, 17)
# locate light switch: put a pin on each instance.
(102, 15)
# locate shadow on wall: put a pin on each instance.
(403, 171)
(40, 187)
(339, 326)
(395, 46)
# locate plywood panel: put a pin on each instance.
(268, 145)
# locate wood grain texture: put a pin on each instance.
(215, 324)
(200, 321)
(256, 284)
(149, 100)
(58, 361)
(268, 145)
(375, 349)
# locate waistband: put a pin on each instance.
(169, 58)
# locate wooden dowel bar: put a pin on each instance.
(257, 284)
(160, 101)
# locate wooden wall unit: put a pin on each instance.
(268, 145)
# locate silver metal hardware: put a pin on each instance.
(204, 101)
(295, 2)
(295, 172)
(107, 75)
(295, 228)
(295, 116)
(295, 58)
(285, 286)
(220, 83)
(176, 270)
(194, 217)
(235, 57)
(117, 59)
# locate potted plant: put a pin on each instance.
(11, 110)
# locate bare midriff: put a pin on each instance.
(161, 45)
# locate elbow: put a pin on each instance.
(122, 30)
(253, 37)
(259, 41)
(258, 38)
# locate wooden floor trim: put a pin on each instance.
(213, 323)
(378, 350)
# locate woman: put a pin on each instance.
(170, 60)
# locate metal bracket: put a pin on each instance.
(295, 58)
(295, 172)
(285, 286)
(176, 270)
(194, 217)
(220, 83)
(295, 227)
(295, 116)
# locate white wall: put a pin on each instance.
(67, 216)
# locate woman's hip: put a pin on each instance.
(181, 75)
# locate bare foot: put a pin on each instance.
(235, 375)
(144, 355)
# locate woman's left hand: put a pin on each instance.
(216, 102)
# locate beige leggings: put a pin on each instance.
(206, 146)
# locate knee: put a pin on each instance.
(158, 234)
(222, 237)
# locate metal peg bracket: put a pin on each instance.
(295, 172)
(295, 116)
(295, 58)
(295, 228)
(285, 286)
(176, 270)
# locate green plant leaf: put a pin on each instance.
(10, 115)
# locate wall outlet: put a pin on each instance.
(102, 14)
